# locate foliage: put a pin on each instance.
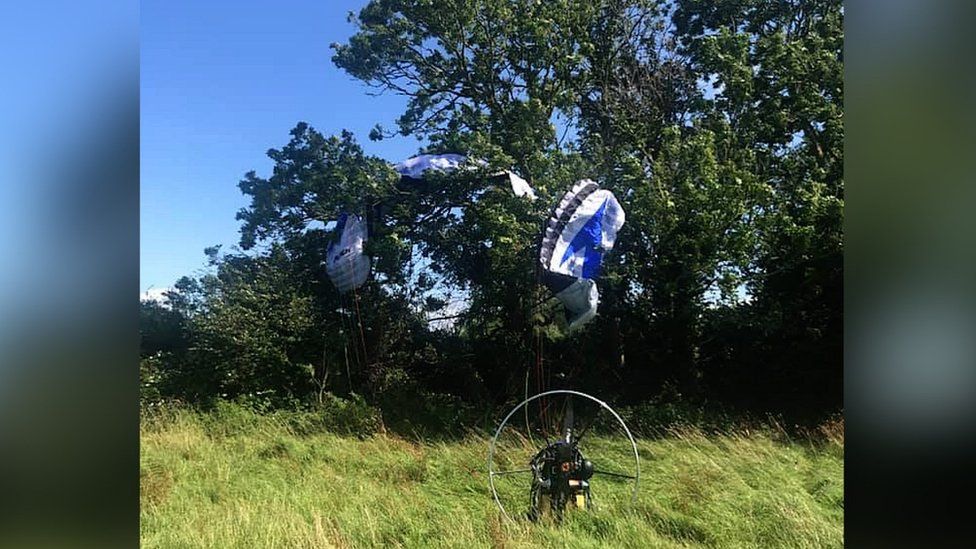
(717, 125)
(778, 69)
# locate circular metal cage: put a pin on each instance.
(522, 441)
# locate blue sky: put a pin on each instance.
(221, 83)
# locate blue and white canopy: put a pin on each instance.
(415, 167)
(345, 263)
(580, 230)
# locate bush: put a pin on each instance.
(411, 410)
(224, 418)
(347, 416)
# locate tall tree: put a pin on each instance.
(489, 78)
(776, 69)
(718, 125)
(689, 234)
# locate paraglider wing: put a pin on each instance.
(580, 299)
(345, 263)
(580, 230)
(414, 168)
(520, 186)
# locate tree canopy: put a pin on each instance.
(719, 127)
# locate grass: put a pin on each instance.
(243, 479)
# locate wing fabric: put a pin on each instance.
(345, 263)
(581, 229)
(415, 167)
(520, 187)
(580, 300)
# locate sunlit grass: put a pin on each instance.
(261, 484)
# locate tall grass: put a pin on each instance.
(236, 478)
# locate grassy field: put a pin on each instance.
(243, 479)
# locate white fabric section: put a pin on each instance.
(417, 165)
(350, 274)
(345, 263)
(521, 187)
(613, 220)
(580, 300)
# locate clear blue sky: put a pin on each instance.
(221, 83)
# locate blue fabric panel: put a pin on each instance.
(592, 262)
(588, 239)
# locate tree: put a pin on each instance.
(777, 69)
(717, 125)
(488, 79)
(690, 233)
